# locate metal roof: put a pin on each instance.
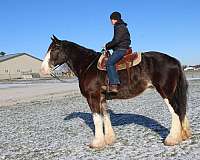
(10, 56)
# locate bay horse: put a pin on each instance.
(159, 70)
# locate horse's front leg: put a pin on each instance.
(99, 140)
(109, 132)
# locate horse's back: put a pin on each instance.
(159, 58)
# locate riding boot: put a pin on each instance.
(113, 88)
(110, 88)
(104, 87)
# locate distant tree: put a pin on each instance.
(197, 66)
(2, 53)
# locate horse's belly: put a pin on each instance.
(130, 91)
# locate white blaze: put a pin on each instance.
(45, 69)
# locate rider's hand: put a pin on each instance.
(105, 47)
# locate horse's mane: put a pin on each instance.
(82, 57)
(83, 50)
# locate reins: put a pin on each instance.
(103, 51)
(88, 67)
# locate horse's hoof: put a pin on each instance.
(109, 140)
(97, 145)
(171, 141)
(186, 134)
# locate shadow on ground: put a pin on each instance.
(123, 119)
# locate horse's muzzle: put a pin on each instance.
(45, 67)
(45, 70)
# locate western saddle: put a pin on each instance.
(130, 59)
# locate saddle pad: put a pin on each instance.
(129, 60)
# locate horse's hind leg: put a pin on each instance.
(180, 129)
(109, 133)
(175, 135)
(174, 92)
(186, 132)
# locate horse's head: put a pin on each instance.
(55, 56)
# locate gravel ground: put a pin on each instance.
(60, 127)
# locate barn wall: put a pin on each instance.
(17, 66)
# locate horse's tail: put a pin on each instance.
(179, 100)
(180, 95)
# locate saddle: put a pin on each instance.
(130, 59)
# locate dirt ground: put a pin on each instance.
(22, 91)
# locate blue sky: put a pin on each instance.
(169, 26)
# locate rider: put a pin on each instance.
(119, 44)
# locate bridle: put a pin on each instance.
(83, 73)
(54, 75)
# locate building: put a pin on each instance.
(189, 69)
(17, 66)
(25, 66)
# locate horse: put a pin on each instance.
(156, 69)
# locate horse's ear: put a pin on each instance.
(55, 39)
(52, 38)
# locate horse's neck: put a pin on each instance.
(79, 60)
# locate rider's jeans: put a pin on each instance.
(110, 66)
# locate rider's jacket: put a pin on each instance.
(121, 39)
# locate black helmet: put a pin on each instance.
(115, 16)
